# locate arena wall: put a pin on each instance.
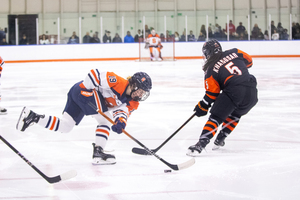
(98, 52)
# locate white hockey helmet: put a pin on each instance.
(153, 32)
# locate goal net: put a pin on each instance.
(167, 51)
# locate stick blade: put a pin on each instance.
(68, 175)
(186, 164)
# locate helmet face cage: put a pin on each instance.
(141, 80)
(210, 48)
(153, 32)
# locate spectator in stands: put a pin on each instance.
(201, 37)
(138, 36)
(3, 42)
(191, 37)
(74, 39)
(182, 37)
(210, 33)
(87, 38)
(275, 35)
(162, 37)
(231, 28)
(203, 30)
(117, 39)
(255, 32)
(241, 36)
(176, 37)
(23, 40)
(285, 35)
(280, 30)
(294, 29)
(218, 32)
(169, 37)
(273, 27)
(260, 35)
(297, 35)
(240, 29)
(246, 35)
(95, 38)
(44, 40)
(128, 38)
(147, 30)
(266, 35)
(2, 34)
(106, 38)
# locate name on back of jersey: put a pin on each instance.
(223, 61)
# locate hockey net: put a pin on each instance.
(167, 52)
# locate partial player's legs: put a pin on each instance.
(28, 118)
(228, 126)
(208, 132)
(101, 158)
(101, 136)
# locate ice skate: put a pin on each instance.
(219, 142)
(196, 149)
(3, 111)
(101, 158)
(27, 118)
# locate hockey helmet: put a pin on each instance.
(141, 80)
(211, 47)
(153, 33)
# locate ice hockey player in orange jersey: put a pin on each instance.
(154, 43)
(111, 94)
(230, 92)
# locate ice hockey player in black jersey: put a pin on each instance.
(230, 92)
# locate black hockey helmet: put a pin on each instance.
(141, 80)
(210, 48)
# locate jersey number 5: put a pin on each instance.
(233, 69)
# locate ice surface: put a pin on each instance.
(261, 158)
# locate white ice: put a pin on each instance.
(261, 158)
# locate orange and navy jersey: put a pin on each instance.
(231, 69)
(113, 89)
(1, 63)
(153, 40)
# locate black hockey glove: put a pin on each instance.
(201, 109)
(119, 125)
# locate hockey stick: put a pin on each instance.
(144, 152)
(172, 166)
(55, 179)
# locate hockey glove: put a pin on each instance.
(201, 109)
(119, 125)
(85, 95)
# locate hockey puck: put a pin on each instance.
(167, 170)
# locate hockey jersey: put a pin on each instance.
(113, 89)
(153, 40)
(231, 69)
(1, 63)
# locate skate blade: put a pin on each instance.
(193, 154)
(20, 120)
(216, 147)
(98, 161)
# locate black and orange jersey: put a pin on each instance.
(231, 69)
